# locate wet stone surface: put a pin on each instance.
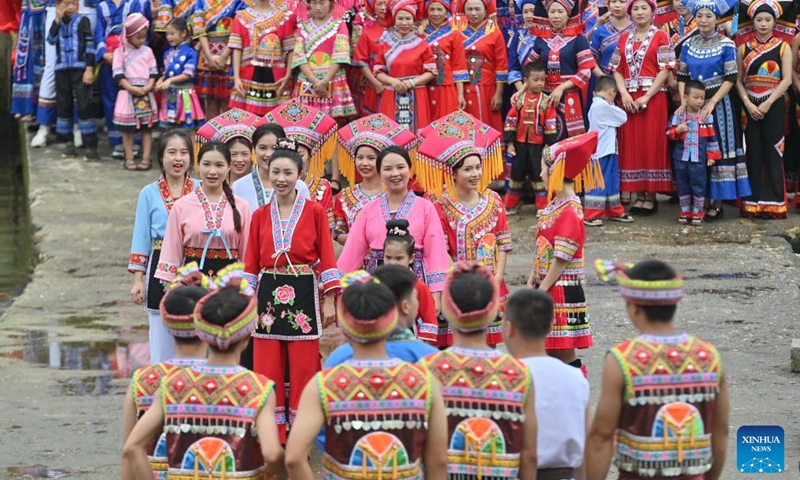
(70, 341)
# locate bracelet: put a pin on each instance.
(412, 82)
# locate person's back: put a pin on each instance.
(487, 393)
(663, 410)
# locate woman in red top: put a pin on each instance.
(641, 64)
(487, 63)
(404, 67)
(365, 42)
(447, 91)
(288, 237)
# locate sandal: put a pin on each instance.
(683, 220)
(624, 218)
(145, 165)
(595, 222)
(697, 222)
(636, 209)
(130, 164)
(625, 199)
(719, 214)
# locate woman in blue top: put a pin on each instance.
(710, 58)
(175, 156)
(520, 45)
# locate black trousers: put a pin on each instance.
(765, 156)
(527, 162)
(71, 92)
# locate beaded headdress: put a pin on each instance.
(377, 131)
(784, 13)
(573, 159)
(719, 7)
(364, 330)
(450, 139)
(240, 327)
(475, 320)
(227, 126)
(640, 292)
(309, 127)
(183, 325)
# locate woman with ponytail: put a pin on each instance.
(175, 157)
(210, 225)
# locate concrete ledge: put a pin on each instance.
(796, 355)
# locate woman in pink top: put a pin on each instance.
(208, 226)
(364, 247)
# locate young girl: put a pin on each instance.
(398, 249)
(28, 60)
(180, 105)
(322, 47)
(261, 40)
(289, 240)
(208, 226)
(234, 128)
(558, 265)
(473, 217)
(313, 131)
(447, 94)
(175, 157)
(212, 21)
(359, 143)
(135, 70)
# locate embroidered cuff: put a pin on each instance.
(565, 248)
(137, 262)
(166, 271)
(330, 279)
(460, 76)
(514, 76)
(427, 332)
(501, 76)
(252, 280)
(435, 281)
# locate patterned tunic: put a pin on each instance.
(487, 64)
(451, 64)
(377, 410)
(144, 384)
(484, 393)
(477, 233)
(562, 234)
(347, 205)
(209, 422)
(671, 386)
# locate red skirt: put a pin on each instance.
(412, 111)
(479, 103)
(444, 100)
(645, 165)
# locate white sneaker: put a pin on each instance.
(77, 137)
(40, 139)
(118, 152)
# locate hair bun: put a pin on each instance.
(397, 227)
(286, 144)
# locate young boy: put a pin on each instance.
(605, 118)
(385, 418)
(71, 33)
(663, 407)
(530, 125)
(488, 393)
(696, 148)
(562, 394)
(218, 417)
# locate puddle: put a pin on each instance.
(118, 358)
(39, 471)
(744, 293)
(727, 276)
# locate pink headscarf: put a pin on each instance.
(135, 23)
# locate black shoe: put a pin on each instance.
(69, 150)
(714, 218)
(646, 212)
(91, 154)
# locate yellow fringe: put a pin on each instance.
(347, 164)
(316, 164)
(556, 181)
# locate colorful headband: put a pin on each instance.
(445, 3)
(135, 23)
(188, 275)
(377, 131)
(364, 330)
(449, 140)
(772, 7)
(309, 127)
(652, 3)
(640, 292)
(567, 4)
(238, 329)
(396, 6)
(476, 320)
(719, 7)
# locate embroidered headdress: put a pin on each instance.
(541, 22)
(784, 13)
(568, 5)
(719, 7)
(364, 330)
(377, 131)
(446, 3)
(183, 325)
(640, 292)
(240, 327)
(413, 7)
(573, 159)
(475, 320)
(450, 139)
(227, 126)
(309, 127)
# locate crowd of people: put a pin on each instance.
(531, 69)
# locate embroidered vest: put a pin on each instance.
(671, 385)
(209, 422)
(484, 393)
(377, 412)
(144, 384)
